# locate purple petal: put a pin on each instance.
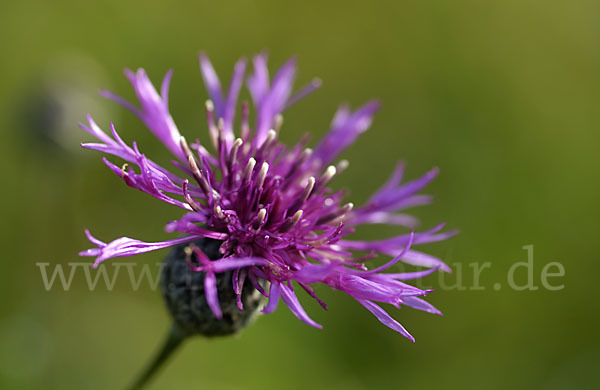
(145, 182)
(313, 273)
(258, 82)
(231, 263)
(120, 101)
(281, 87)
(398, 256)
(391, 246)
(304, 92)
(96, 131)
(237, 280)
(412, 275)
(212, 298)
(393, 196)
(154, 111)
(424, 260)
(232, 97)
(361, 289)
(252, 276)
(385, 319)
(273, 101)
(383, 217)
(179, 225)
(393, 182)
(164, 87)
(126, 246)
(212, 83)
(93, 239)
(290, 299)
(420, 304)
(344, 131)
(274, 295)
(117, 147)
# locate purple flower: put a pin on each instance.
(280, 223)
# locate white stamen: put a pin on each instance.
(261, 216)
(185, 147)
(188, 251)
(342, 214)
(201, 179)
(194, 167)
(193, 205)
(249, 168)
(329, 173)
(296, 217)
(337, 216)
(271, 136)
(310, 184)
(293, 220)
(278, 122)
(234, 151)
(260, 180)
(342, 165)
(306, 193)
(221, 126)
(124, 169)
(234, 148)
(188, 199)
(212, 129)
(219, 212)
(306, 153)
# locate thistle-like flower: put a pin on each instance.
(277, 224)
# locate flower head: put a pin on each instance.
(279, 223)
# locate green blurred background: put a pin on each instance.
(503, 96)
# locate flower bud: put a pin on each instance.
(183, 290)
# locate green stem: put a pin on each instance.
(173, 341)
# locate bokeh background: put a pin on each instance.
(503, 96)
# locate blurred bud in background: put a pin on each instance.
(56, 98)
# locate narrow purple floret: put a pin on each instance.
(280, 223)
